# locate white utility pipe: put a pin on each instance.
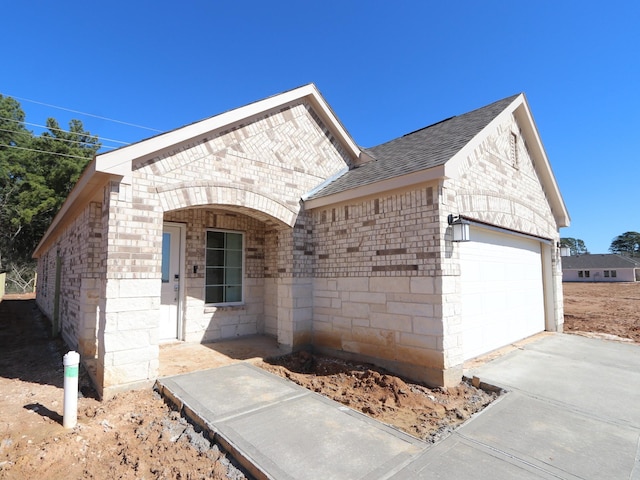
(71, 361)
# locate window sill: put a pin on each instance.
(224, 308)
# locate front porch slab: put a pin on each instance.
(180, 357)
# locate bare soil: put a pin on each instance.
(425, 413)
(608, 310)
(136, 435)
(133, 435)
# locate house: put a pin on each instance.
(600, 268)
(270, 219)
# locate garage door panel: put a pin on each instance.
(502, 292)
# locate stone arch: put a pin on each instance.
(245, 198)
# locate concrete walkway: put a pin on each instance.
(572, 412)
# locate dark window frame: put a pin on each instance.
(224, 261)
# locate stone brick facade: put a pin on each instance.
(386, 278)
(77, 259)
(376, 277)
(248, 178)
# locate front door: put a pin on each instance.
(170, 295)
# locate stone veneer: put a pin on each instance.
(250, 178)
(378, 283)
(375, 278)
(387, 277)
(80, 251)
(213, 323)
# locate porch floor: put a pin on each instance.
(180, 357)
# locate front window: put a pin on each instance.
(614, 273)
(223, 277)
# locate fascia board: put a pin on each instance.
(119, 161)
(523, 115)
(378, 188)
(520, 109)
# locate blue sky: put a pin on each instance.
(386, 68)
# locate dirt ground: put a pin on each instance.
(420, 411)
(133, 435)
(608, 310)
(136, 435)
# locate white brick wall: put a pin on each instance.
(387, 275)
(375, 278)
(81, 257)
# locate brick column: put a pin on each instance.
(128, 347)
(294, 286)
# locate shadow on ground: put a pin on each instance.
(21, 328)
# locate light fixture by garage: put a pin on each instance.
(564, 251)
(460, 228)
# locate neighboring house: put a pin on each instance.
(269, 219)
(600, 268)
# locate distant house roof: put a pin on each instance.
(599, 260)
(428, 147)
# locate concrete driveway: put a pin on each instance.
(572, 412)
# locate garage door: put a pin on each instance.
(502, 290)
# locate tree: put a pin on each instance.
(36, 175)
(15, 139)
(576, 245)
(626, 244)
(58, 159)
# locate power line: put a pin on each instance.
(58, 139)
(64, 131)
(44, 151)
(84, 113)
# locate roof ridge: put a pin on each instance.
(428, 126)
(420, 150)
(461, 116)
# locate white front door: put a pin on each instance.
(171, 291)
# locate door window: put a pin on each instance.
(166, 249)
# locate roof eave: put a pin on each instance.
(85, 189)
(523, 115)
(520, 109)
(119, 162)
(377, 188)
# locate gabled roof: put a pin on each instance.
(426, 148)
(119, 161)
(116, 164)
(599, 260)
(435, 152)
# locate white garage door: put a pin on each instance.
(502, 291)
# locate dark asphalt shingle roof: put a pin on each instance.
(426, 148)
(599, 260)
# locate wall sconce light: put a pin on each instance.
(564, 251)
(460, 228)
